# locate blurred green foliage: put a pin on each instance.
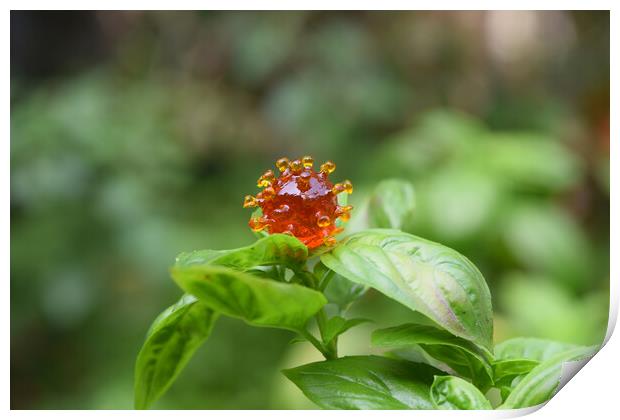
(123, 157)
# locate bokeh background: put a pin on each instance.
(135, 136)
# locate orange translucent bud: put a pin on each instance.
(301, 202)
(282, 209)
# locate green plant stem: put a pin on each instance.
(321, 320)
(332, 347)
(308, 279)
(280, 271)
(326, 280)
(316, 343)
(329, 350)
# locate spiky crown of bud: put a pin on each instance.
(300, 202)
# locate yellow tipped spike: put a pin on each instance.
(268, 193)
(295, 166)
(348, 187)
(330, 241)
(249, 201)
(282, 164)
(328, 167)
(344, 213)
(338, 188)
(257, 224)
(265, 179)
(268, 175)
(307, 161)
(323, 221)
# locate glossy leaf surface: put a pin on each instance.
(461, 355)
(172, 339)
(365, 382)
(425, 276)
(270, 250)
(542, 382)
(258, 301)
(453, 393)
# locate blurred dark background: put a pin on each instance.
(135, 136)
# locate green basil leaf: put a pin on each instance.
(365, 382)
(424, 276)
(298, 339)
(504, 371)
(542, 382)
(459, 354)
(266, 272)
(529, 348)
(452, 393)
(257, 301)
(171, 341)
(504, 391)
(338, 325)
(391, 204)
(517, 357)
(276, 249)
